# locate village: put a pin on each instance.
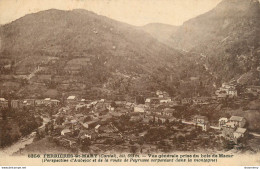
(150, 124)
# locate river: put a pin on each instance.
(10, 150)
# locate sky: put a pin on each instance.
(135, 12)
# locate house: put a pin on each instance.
(228, 132)
(161, 118)
(30, 102)
(90, 124)
(139, 109)
(3, 103)
(158, 92)
(47, 101)
(71, 100)
(152, 100)
(93, 103)
(147, 101)
(165, 100)
(221, 94)
(39, 102)
(234, 134)
(205, 126)
(119, 103)
(73, 121)
(85, 136)
(83, 101)
(24, 103)
(227, 89)
(128, 105)
(168, 112)
(233, 130)
(15, 104)
(174, 103)
(97, 128)
(222, 122)
(201, 100)
(238, 121)
(200, 119)
(65, 132)
(230, 125)
(186, 101)
(239, 134)
(232, 92)
(229, 85)
(55, 102)
(160, 96)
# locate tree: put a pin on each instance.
(38, 136)
(181, 139)
(46, 129)
(227, 145)
(113, 104)
(60, 120)
(133, 149)
(85, 143)
(140, 100)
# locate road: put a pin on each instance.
(8, 151)
(254, 134)
(33, 73)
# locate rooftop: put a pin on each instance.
(223, 119)
(71, 97)
(66, 130)
(241, 130)
(73, 121)
(97, 126)
(2, 99)
(236, 118)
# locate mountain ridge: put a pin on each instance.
(225, 38)
(160, 31)
(92, 46)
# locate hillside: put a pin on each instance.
(225, 39)
(161, 32)
(79, 33)
(82, 44)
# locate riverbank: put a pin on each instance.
(21, 143)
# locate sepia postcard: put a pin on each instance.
(130, 82)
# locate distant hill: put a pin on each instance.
(95, 46)
(225, 39)
(161, 32)
(80, 32)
